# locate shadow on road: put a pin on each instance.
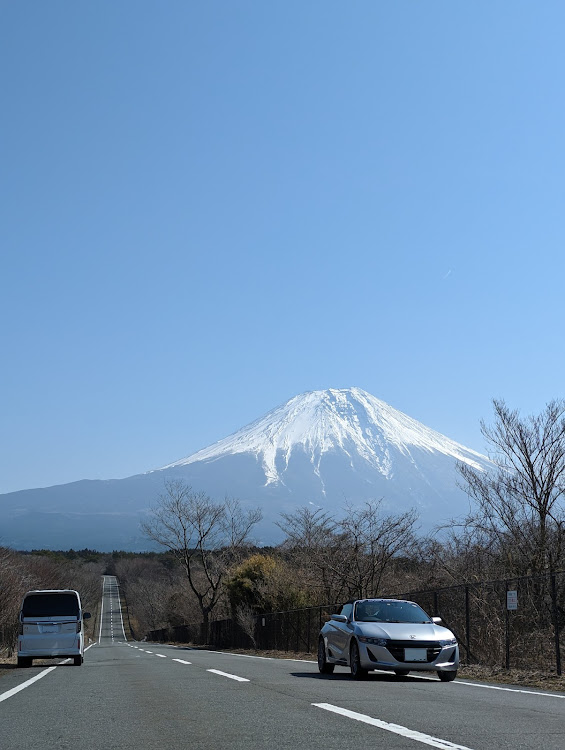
(345, 677)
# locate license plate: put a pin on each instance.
(48, 628)
(415, 654)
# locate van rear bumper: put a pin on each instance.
(43, 654)
(65, 647)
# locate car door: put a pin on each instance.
(340, 633)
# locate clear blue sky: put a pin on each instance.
(209, 207)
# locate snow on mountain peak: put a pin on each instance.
(348, 420)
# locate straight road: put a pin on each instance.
(145, 696)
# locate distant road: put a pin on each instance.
(158, 697)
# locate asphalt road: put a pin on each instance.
(145, 696)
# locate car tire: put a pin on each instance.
(323, 666)
(24, 661)
(78, 660)
(357, 671)
(401, 672)
(447, 676)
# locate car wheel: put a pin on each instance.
(24, 661)
(323, 666)
(77, 661)
(447, 676)
(401, 672)
(357, 671)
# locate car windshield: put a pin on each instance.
(377, 610)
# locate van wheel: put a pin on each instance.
(78, 660)
(24, 661)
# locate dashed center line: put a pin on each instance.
(182, 661)
(231, 676)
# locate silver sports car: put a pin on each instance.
(389, 634)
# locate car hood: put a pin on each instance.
(403, 631)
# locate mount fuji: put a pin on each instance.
(324, 448)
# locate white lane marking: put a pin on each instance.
(27, 683)
(231, 676)
(509, 690)
(250, 656)
(121, 616)
(426, 739)
(146, 651)
(101, 610)
(182, 661)
(161, 655)
(481, 685)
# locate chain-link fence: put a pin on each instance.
(527, 635)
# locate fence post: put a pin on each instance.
(467, 625)
(507, 625)
(308, 635)
(555, 624)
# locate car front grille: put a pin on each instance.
(396, 648)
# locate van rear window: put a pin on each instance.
(50, 605)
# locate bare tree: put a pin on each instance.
(247, 621)
(204, 536)
(313, 542)
(519, 511)
(373, 540)
(348, 555)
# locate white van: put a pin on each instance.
(51, 625)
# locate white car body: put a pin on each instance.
(399, 636)
(51, 626)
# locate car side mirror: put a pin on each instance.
(339, 618)
(436, 620)
(86, 615)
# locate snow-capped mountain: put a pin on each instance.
(320, 423)
(323, 448)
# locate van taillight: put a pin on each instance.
(78, 626)
(21, 628)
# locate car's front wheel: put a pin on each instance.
(24, 661)
(447, 676)
(323, 666)
(401, 672)
(77, 660)
(357, 671)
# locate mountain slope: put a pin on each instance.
(326, 448)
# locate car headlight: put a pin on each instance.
(448, 642)
(374, 641)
